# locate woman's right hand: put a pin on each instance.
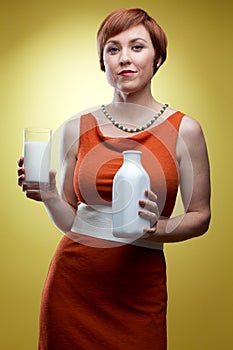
(37, 191)
(59, 210)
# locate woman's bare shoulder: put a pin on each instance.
(190, 128)
(71, 125)
(70, 135)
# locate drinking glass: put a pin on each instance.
(37, 155)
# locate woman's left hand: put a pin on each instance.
(150, 211)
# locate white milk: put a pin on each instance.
(37, 160)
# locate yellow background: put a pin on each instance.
(49, 71)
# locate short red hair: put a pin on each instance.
(123, 19)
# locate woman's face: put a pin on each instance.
(129, 60)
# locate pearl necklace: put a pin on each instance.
(123, 128)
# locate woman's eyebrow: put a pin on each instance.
(116, 42)
(136, 39)
(112, 42)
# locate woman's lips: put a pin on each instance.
(126, 73)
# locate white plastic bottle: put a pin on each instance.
(129, 185)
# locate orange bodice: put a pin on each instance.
(99, 157)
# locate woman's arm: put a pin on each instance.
(60, 208)
(194, 186)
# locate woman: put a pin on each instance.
(101, 293)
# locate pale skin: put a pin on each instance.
(129, 60)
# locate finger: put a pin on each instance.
(51, 185)
(52, 177)
(20, 161)
(151, 195)
(20, 171)
(151, 232)
(149, 216)
(149, 206)
(151, 202)
(21, 180)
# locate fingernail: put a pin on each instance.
(142, 203)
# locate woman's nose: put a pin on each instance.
(125, 58)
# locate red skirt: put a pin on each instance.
(98, 298)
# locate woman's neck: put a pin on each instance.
(142, 98)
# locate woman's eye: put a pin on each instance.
(137, 47)
(113, 50)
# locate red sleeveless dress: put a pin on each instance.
(111, 297)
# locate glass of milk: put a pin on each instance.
(37, 154)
